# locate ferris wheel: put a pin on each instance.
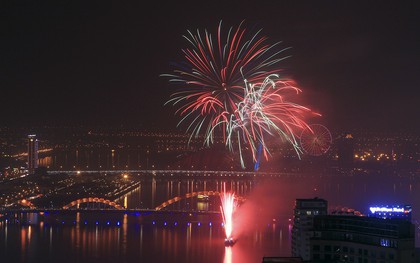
(315, 140)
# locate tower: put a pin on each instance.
(304, 212)
(32, 153)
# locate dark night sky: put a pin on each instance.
(98, 62)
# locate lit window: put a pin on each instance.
(385, 242)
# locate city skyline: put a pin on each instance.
(147, 131)
(100, 63)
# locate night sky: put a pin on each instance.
(98, 62)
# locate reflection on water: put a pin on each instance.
(80, 238)
(99, 237)
(228, 255)
(152, 193)
(278, 195)
(131, 238)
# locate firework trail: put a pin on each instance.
(264, 112)
(212, 80)
(227, 209)
(231, 84)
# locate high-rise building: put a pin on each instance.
(338, 238)
(32, 153)
(304, 212)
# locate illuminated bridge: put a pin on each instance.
(167, 173)
(93, 200)
(166, 190)
(193, 194)
(97, 203)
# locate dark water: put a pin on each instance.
(262, 221)
(129, 238)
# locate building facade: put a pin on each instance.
(304, 212)
(32, 153)
(362, 239)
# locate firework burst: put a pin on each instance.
(212, 77)
(266, 112)
(230, 85)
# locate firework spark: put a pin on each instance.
(231, 84)
(227, 209)
(264, 112)
(212, 78)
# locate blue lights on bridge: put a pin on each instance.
(113, 218)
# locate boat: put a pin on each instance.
(229, 242)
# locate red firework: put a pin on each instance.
(212, 79)
(231, 84)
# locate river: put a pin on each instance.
(262, 221)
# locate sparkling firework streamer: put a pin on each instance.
(264, 112)
(227, 209)
(211, 79)
(232, 85)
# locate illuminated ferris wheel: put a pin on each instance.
(315, 140)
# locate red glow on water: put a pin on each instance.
(228, 255)
(228, 208)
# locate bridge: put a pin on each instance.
(102, 203)
(171, 187)
(110, 217)
(99, 203)
(194, 194)
(94, 200)
(179, 173)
